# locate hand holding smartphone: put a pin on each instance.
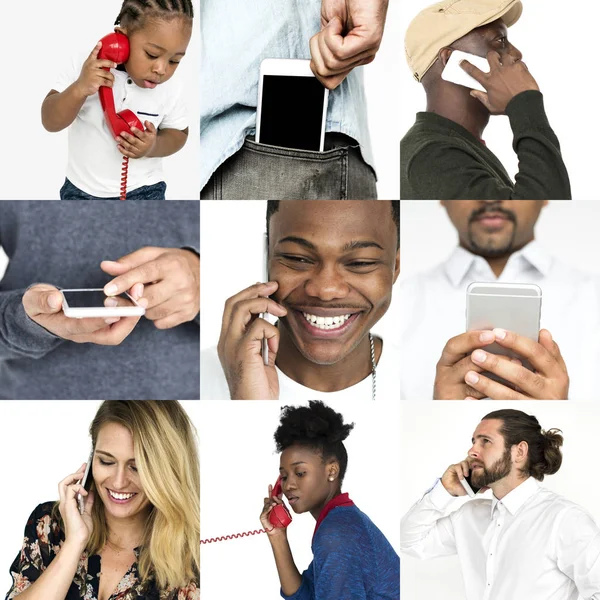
(92, 302)
(454, 73)
(86, 482)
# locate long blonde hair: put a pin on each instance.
(166, 456)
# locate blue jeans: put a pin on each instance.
(147, 192)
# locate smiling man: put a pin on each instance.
(332, 267)
(496, 243)
(522, 542)
(443, 155)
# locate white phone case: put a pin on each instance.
(86, 312)
(454, 73)
(467, 487)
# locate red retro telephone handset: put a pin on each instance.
(279, 517)
(115, 47)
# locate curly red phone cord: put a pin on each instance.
(124, 172)
(231, 537)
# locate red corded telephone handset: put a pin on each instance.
(279, 517)
(115, 47)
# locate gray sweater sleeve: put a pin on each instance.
(21, 337)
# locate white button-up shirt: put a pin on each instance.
(531, 545)
(433, 311)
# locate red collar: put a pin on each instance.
(340, 500)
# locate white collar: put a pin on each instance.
(517, 497)
(461, 261)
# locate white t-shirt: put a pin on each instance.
(213, 385)
(94, 163)
(433, 311)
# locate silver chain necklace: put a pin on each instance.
(373, 367)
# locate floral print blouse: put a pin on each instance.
(42, 542)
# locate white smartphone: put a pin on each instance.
(93, 302)
(469, 487)
(454, 73)
(515, 307)
(292, 105)
(86, 482)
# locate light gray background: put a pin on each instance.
(556, 73)
(568, 229)
(238, 464)
(231, 234)
(41, 442)
(435, 435)
(37, 40)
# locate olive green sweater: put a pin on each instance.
(441, 160)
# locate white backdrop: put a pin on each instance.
(34, 160)
(566, 229)
(382, 89)
(238, 464)
(231, 238)
(556, 73)
(438, 434)
(41, 442)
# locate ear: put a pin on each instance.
(397, 264)
(333, 471)
(521, 452)
(444, 55)
(119, 29)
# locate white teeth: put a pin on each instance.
(326, 322)
(120, 496)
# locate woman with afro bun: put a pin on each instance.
(352, 559)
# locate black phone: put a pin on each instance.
(86, 481)
(469, 486)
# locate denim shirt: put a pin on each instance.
(236, 35)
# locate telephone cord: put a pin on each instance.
(124, 172)
(223, 538)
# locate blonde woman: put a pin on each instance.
(139, 535)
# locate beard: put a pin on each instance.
(501, 468)
(489, 245)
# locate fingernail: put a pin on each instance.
(110, 289)
(54, 301)
(143, 302)
(478, 356)
(487, 336)
(471, 377)
(500, 334)
(112, 302)
(112, 320)
(516, 361)
(470, 398)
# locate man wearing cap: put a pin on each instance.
(443, 155)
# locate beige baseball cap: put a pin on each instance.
(443, 23)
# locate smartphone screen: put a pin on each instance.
(292, 112)
(471, 484)
(93, 299)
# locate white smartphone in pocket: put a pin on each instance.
(515, 307)
(292, 105)
(93, 302)
(454, 73)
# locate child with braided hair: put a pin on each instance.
(159, 32)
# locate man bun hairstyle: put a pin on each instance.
(545, 454)
(134, 13)
(317, 427)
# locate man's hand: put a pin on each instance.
(451, 479)
(240, 343)
(137, 143)
(549, 381)
(505, 80)
(43, 304)
(92, 75)
(456, 362)
(171, 279)
(350, 36)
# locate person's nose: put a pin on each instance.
(327, 283)
(473, 453)
(121, 480)
(289, 484)
(515, 53)
(159, 67)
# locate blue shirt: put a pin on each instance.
(236, 36)
(352, 561)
